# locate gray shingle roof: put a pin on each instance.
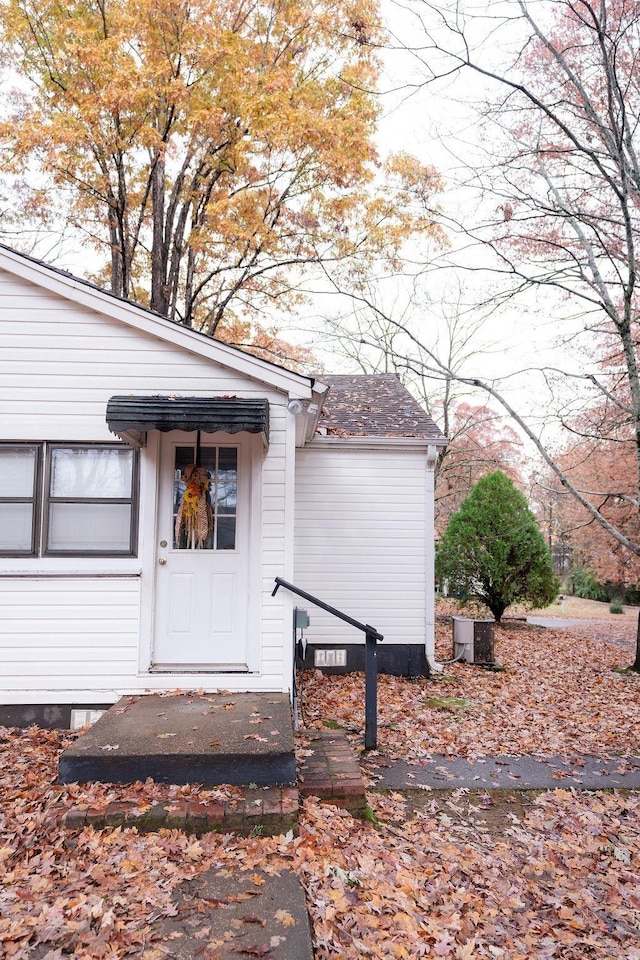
(374, 405)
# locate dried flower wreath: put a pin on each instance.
(195, 516)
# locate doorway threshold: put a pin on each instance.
(190, 669)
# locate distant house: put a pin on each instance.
(154, 482)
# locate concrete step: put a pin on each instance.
(212, 739)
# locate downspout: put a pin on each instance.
(430, 603)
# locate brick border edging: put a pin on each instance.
(261, 813)
(330, 773)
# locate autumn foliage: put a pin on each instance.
(569, 222)
(600, 460)
(480, 442)
(208, 150)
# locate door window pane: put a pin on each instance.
(226, 533)
(205, 503)
(227, 485)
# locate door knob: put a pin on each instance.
(162, 561)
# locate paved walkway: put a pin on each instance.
(514, 773)
(555, 623)
(261, 915)
(607, 629)
(258, 915)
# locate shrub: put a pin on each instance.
(493, 551)
(583, 584)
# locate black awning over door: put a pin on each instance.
(132, 417)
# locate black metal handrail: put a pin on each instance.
(372, 636)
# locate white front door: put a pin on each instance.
(202, 568)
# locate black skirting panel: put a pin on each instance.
(396, 659)
(49, 716)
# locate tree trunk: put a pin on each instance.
(117, 272)
(636, 663)
(159, 300)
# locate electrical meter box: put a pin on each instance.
(300, 619)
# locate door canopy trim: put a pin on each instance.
(131, 418)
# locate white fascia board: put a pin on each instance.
(375, 443)
(306, 423)
(80, 292)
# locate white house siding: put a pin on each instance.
(361, 538)
(60, 362)
(78, 637)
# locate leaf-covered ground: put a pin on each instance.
(560, 694)
(557, 879)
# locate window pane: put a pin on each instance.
(227, 497)
(88, 527)
(227, 487)
(91, 472)
(228, 459)
(208, 459)
(192, 513)
(184, 456)
(226, 533)
(16, 521)
(17, 471)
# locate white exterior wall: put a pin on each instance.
(77, 637)
(363, 542)
(79, 630)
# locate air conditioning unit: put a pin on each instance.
(473, 640)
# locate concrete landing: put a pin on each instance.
(212, 739)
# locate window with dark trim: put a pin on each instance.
(19, 483)
(68, 499)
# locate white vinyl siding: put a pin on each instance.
(60, 362)
(361, 539)
(62, 635)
